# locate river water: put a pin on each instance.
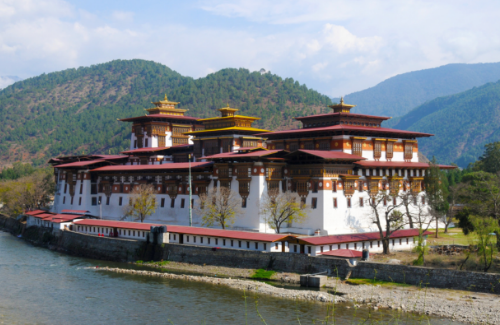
(39, 286)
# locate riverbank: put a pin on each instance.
(475, 308)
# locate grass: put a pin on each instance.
(455, 236)
(262, 274)
(160, 263)
(376, 282)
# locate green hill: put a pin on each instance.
(398, 95)
(75, 111)
(462, 123)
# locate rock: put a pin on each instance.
(394, 261)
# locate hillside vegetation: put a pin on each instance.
(462, 123)
(75, 111)
(398, 95)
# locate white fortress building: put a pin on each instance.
(335, 162)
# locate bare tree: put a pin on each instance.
(219, 206)
(408, 201)
(386, 216)
(455, 192)
(285, 207)
(142, 202)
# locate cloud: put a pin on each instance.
(124, 16)
(334, 47)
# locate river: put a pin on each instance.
(39, 286)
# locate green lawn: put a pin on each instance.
(262, 274)
(455, 236)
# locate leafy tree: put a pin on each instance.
(490, 160)
(436, 190)
(142, 203)
(219, 206)
(483, 227)
(283, 208)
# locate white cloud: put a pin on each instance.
(335, 47)
(124, 16)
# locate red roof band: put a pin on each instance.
(234, 234)
(133, 151)
(338, 239)
(169, 166)
(379, 130)
(349, 253)
(116, 224)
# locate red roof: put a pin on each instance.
(81, 163)
(257, 153)
(164, 116)
(75, 211)
(111, 157)
(168, 166)
(343, 114)
(349, 253)
(154, 149)
(398, 164)
(338, 239)
(330, 154)
(58, 218)
(376, 130)
(44, 215)
(233, 234)
(115, 224)
(35, 212)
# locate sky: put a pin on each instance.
(335, 47)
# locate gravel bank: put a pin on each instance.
(476, 308)
(247, 285)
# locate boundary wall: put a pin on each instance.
(126, 250)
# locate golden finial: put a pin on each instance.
(341, 100)
(228, 105)
(165, 97)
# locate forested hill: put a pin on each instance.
(462, 123)
(75, 111)
(398, 95)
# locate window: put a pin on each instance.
(239, 243)
(265, 246)
(321, 249)
(338, 246)
(385, 201)
(378, 243)
(81, 188)
(133, 233)
(172, 203)
(295, 248)
(71, 200)
(330, 247)
(135, 143)
(423, 199)
(182, 203)
(394, 201)
(406, 241)
(334, 202)
(129, 232)
(361, 202)
(64, 200)
(400, 241)
(315, 187)
(201, 240)
(162, 203)
(334, 186)
(355, 245)
(194, 239)
(231, 243)
(65, 188)
(308, 249)
(208, 240)
(393, 242)
(276, 246)
(120, 201)
(256, 245)
(192, 203)
(348, 202)
(314, 203)
(146, 142)
(216, 241)
(371, 244)
(223, 242)
(243, 202)
(94, 201)
(187, 238)
(248, 244)
(357, 147)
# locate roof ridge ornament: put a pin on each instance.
(341, 107)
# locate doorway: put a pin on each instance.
(181, 238)
(302, 249)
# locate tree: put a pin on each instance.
(408, 200)
(436, 190)
(219, 206)
(142, 202)
(386, 216)
(455, 192)
(285, 207)
(27, 193)
(490, 160)
(483, 228)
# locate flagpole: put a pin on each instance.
(190, 194)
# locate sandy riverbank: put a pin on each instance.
(480, 308)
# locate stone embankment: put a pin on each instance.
(461, 306)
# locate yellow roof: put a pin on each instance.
(233, 128)
(230, 117)
(165, 101)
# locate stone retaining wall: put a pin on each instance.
(125, 250)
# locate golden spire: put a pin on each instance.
(341, 107)
(165, 98)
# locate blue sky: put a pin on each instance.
(335, 47)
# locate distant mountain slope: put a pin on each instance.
(398, 95)
(462, 124)
(76, 110)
